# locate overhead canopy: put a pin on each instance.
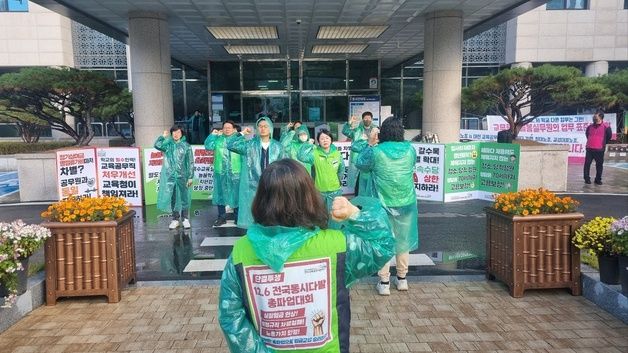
(390, 30)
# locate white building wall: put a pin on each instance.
(597, 34)
(38, 37)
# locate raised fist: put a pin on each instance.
(342, 209)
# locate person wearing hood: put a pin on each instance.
(226, 171)
(328, 168)
(285, 285)
(177, 173)
(357, 179)
(293, 141)
(391, 164)
(288, 131)
(257, 153)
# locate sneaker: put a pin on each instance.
(186, 223)
(174, 224)
(402, 284)
(220, 221)
(598, 182)
(383, 289)
(587, 181)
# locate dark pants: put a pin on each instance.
(175, 214)
(598, 156)
(356, 190)
(222, 212)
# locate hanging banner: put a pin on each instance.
(203, 173)
(428, 171)
(151, 166)
(499, 169)
(119, 173)
(345, 150)
(361, 104)
(76, 173)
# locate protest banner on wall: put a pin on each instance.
(428, 171)
(361, 104)
(76, 173)
(119, 173)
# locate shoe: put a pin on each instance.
(383, 289)
(186, 223)
(402, 284)
(174, 224)
(220, 221)
(587, 181)
(598, 182)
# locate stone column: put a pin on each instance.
(149, 42)
(596, 68)
(442, 75)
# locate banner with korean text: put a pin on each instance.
(119, 173)
(76, 173)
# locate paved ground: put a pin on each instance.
(433, 316)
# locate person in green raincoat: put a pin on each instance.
(257, 153)
(288, 129)
(293, 145)
(358, 131)
(289, 268)
(226, 171)
(177, 174)
(328, 168)
(391, 163)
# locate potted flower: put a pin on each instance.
(619, 229)
(18, 241)
(528, 241)
(92, 248)
(596, 237)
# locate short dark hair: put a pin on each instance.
(233, 124)
(297, 122)
(367, 113)
(599, 113)
(391, 130)
(323, 131)
(286, 196)
(176, 127)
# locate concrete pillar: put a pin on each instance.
(596, 68)
(442, 75)
(149, 42)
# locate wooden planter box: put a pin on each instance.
(533, 251)
(89, 258)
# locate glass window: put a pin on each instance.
(391, 95)
(225, 75)
(274, 107)
(567, 5)
(336, 108)
(294, 75)
(321, 75)
(176, 73)
(226, 106)
(13, 6)
(196, 96)
(360, 74)
(295, 106)
(313, 109)
(413, 103)
(264, 75)
(413, 72)
(177, 102)
(625, 4)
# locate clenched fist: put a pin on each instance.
(342, 209)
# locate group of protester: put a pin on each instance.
(287, 193)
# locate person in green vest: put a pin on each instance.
(293, 145)
(328, 168)
(285, 285)
(391, 163)
(226, 171)
(176, 177)
(257, 153)
(358, 131)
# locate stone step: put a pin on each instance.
(219, 241)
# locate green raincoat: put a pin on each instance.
(360, 133)
(226, 170)
(363, 246)
(292, 144)
(392, 166)
(176, 170)
(251, 152)
(328, 170)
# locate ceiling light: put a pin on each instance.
(339, 49)
(267, 32)
(349, 32)
(252, 49)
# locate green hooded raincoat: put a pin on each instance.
(176, 170)
(291, 142)
(360, 133)
(226, 170)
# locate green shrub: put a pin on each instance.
(21, 147)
